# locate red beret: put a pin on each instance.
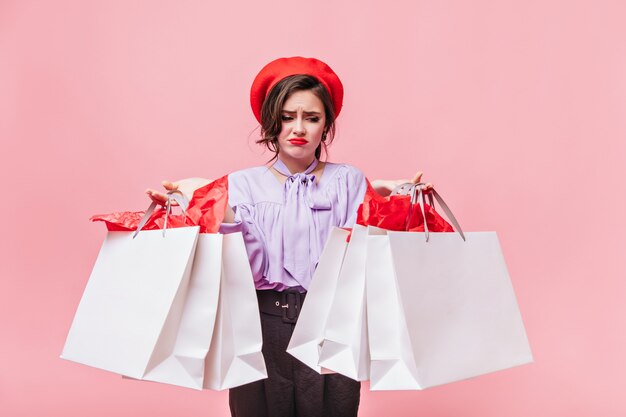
(278, 69)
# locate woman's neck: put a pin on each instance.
(296, 165)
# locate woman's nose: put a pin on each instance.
(298, 128)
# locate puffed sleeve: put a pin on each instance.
(351, 186)
(238, 194)
(241, 200)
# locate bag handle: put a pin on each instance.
(175, 195)
(416, 191)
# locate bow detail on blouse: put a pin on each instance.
(298, 221)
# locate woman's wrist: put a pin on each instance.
(382, 187)
(229, 215)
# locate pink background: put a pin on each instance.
(515, 110)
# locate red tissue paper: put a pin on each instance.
(207, 208)
(391, 213)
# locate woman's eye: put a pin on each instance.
(286, 118)
(313, 119)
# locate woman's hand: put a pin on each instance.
(384, 187)
(186, 187)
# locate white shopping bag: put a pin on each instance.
(392, 364)
(305, 342)
(458, 305)
(441, 307)
(184, 363)
(235, 356)
(150, 308)
(128, 315)
(345, 347)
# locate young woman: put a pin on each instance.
(285, 213)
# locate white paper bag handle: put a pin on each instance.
(416, 191)
(175, 195)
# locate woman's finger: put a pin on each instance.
(156, 196)
(169, 185)
(417, 177)
(159, 198)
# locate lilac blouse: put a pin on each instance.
(286, 226)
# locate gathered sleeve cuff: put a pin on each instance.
(238, 195)
(354, 185)
(236, 226)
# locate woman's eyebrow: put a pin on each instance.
(306, 112)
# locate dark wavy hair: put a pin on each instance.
(271, 111)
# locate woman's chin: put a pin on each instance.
(298, 153)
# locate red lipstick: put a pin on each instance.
(298, 141)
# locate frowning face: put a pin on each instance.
(302, 125)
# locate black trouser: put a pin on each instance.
(292, 388)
